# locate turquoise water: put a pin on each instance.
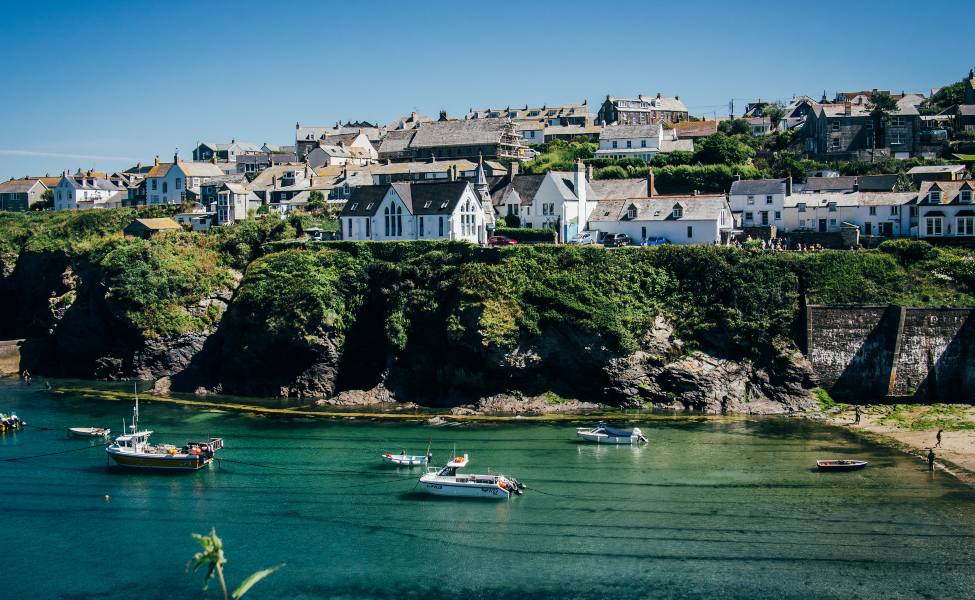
(713, 509)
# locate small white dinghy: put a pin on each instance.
(406, 460)
(601, 434)
(89, 432)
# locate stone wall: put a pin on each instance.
(864, 353)
(10, 357)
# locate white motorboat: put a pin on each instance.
(89, 432)
(601, 434)
(133, 450)
(406, 460)
(446, 482)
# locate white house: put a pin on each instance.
(559, 200)
(760, 202)
(945, 209)
(531, 131)
(875, 213)
(630, 141)
(83, 192)
(167, 183)
(449, 210)
(233, 202)
(702, 219)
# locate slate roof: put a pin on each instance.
(610, 189)
(433, 198)
(396, 141)
(533, 112)
(664, 103)
(829, 184)
(200, 169)
(876, 183)
(660, 208)
(364, 200)
(18, 186)
(676, 145)
(87, 183)
(696, 129)
(936, 169)
(621, 132)
(758, 187)
(459, 133)
(949, 190)
(520, 187)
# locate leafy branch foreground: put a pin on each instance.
(212, 557)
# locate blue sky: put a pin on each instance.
(105, 84)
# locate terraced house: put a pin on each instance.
(946, 210)
(642, 110)
(168, 183)
(846, 130)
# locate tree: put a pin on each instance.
(212, 557)
(720, 149)
(774, 112)
(881, 105)
(904, 183)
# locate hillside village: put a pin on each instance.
(846, 170)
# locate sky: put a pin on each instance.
(102, 84)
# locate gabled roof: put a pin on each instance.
(396, 141)
(610, 189)
(20, 186)
(829, 184)
(200, 169)
(661, 208)
(658, 102)
(949, 190)
(937, 169)
(364, 200)
(696, 129)
(757, 187)
(459, 133)
(159, 224)
(876, 183)
(622, 132)
(419, 198)
(521, 188)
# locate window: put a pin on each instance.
(778, 216)
(873, 211)
(387, 219)
(421, 226)
(933, 226)
(751, 199)
(690, 232)
(614, 144)
(165, 187)
(895, 210)
(643, 233)
(350, 229)
(933, 196)
(802, 206)
(965, 196)
(835, 143)
(897, 121)
(768, 199)
(748, 216)
(913, 211)
(154, 182)
(440, 226)
(179, 183)
(895, 138)
(631, 212)
(368, 227)
(802, 223)
(678, 211)
(832, 222)
(629, 143)
(643, 143)
(965, 226)
(832, 207)
(835, 125)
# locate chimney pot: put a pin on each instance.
(650, 187)
(788, 186)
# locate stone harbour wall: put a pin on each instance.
(10, 357)
(864, 353)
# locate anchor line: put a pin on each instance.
(16, 458)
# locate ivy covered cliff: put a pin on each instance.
(247, 311)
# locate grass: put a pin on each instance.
(825, 401)
(950, 417)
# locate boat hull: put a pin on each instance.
(404, 461)
(823, 465)
(462, 490)
(89, 432)
(160, 463)
(601, 438)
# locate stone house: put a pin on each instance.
(846, 130)
(642, 110)
(206, 151)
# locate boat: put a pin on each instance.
(446, 482)
(601, 434)
(406, 460)
(133, 450)
(841, 465)
(89, 432)
(11, 422)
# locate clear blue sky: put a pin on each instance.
(105, 84)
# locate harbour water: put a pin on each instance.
(716, 509)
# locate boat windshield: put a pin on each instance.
(448, 471)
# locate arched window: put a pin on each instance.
(387, 219)
(399, 220)
(165, 187)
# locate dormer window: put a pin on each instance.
(631, 212)
(934, 196)
(965, 196)
(678, 211)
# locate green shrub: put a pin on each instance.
(909, 252)
(527, 234)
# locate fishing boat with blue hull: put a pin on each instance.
(602, 434)
(133, 450)
(11, 423)
(446, 482)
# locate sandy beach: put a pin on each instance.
(914, 428)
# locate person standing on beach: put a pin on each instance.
(938, 436)
(931, 459)
(856, 415)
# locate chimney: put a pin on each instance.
(737, 176)
(588, 172)
(580, 184)
(443, 115)
(413, 116)
(788, 185)
(847, 108)
(651, 189)
(175, 157)
(452, 172)
(658, 95)
(513, 169)
(213, 159)
(274, 182)
(157, 160)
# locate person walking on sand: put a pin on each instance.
(26, 376)
(931, 459)
(938, 436)
(856, 415)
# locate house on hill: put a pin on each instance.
(680, 219)
(146, 228)
(20, 194)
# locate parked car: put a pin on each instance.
(586, 237)
(656, 241)
(500, 240)
(615, 240)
